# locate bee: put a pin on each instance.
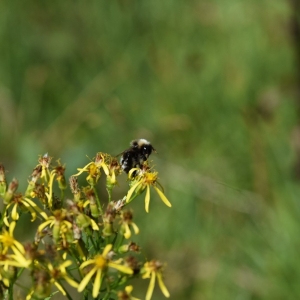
(136, 155)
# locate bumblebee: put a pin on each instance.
(136, 155)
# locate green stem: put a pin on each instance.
(106, 296)
(67, 294)
(132, 198)
(90, 237)
(121, 239)
(108, 292)
(62, 195)
(109, 192)
(11, 292)
(98, 200)
(2, 216)
(86, 295)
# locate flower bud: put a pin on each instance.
(30, 189)
(42, 286)
(83, 221)
(108, 229)
(3, 184)
(12, 187)
(90, 194)
(74, 188)
(62, 182)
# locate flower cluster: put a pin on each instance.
(81, 240)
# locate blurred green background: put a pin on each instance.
(214, 85)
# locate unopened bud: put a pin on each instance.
(12, 187)
(3, 183)
(108, 229)
(83, 221)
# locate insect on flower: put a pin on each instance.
(136, 155)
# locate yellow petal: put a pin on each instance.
(66, 264)
(135, 228)
(162, 286)
(50, 185)
(28, 297)
(85, 281)
(86, 263)
(131, 172)
(120, 268)
(21, 260)
(130, 192)
(113, 176)
(31, 210)
(151, 287)
(83, 169)
(45, 224)
(13, 264)
(12, 228)
(60, 288)
(42, 213)
(5, 220)
(86, 203)
(106, 250)
(71, 282)
(18, 247)
(97, 283)
(128, 289)
(14, 213)
(147, 199)
(127, 233)
(94, 225)
(162, 196)
(105, 169)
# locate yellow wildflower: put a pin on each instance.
(126, 220)
(126, 295)
(153, 270)
(93, 169)
(59, 223)
(100, 265)
(7, 241)
(143, 181)
(60, 273)
(17, 201)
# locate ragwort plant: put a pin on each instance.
(81, 241)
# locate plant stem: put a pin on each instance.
(98, 200)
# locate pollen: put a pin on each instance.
(150, 177)
(100, 262)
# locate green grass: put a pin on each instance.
(192, 77)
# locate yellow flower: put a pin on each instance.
(45, 161)
(100, 265)
(8, 241)
(60, 175)
(49, 194)
(14, 260)
(112, 171)
(60, 225)
(23, 202)
(126, 220)
(3, 277)
(143, 181)
(8, 263)
(60, 273)
(93, 169)
(126, 295)
(153, 270)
